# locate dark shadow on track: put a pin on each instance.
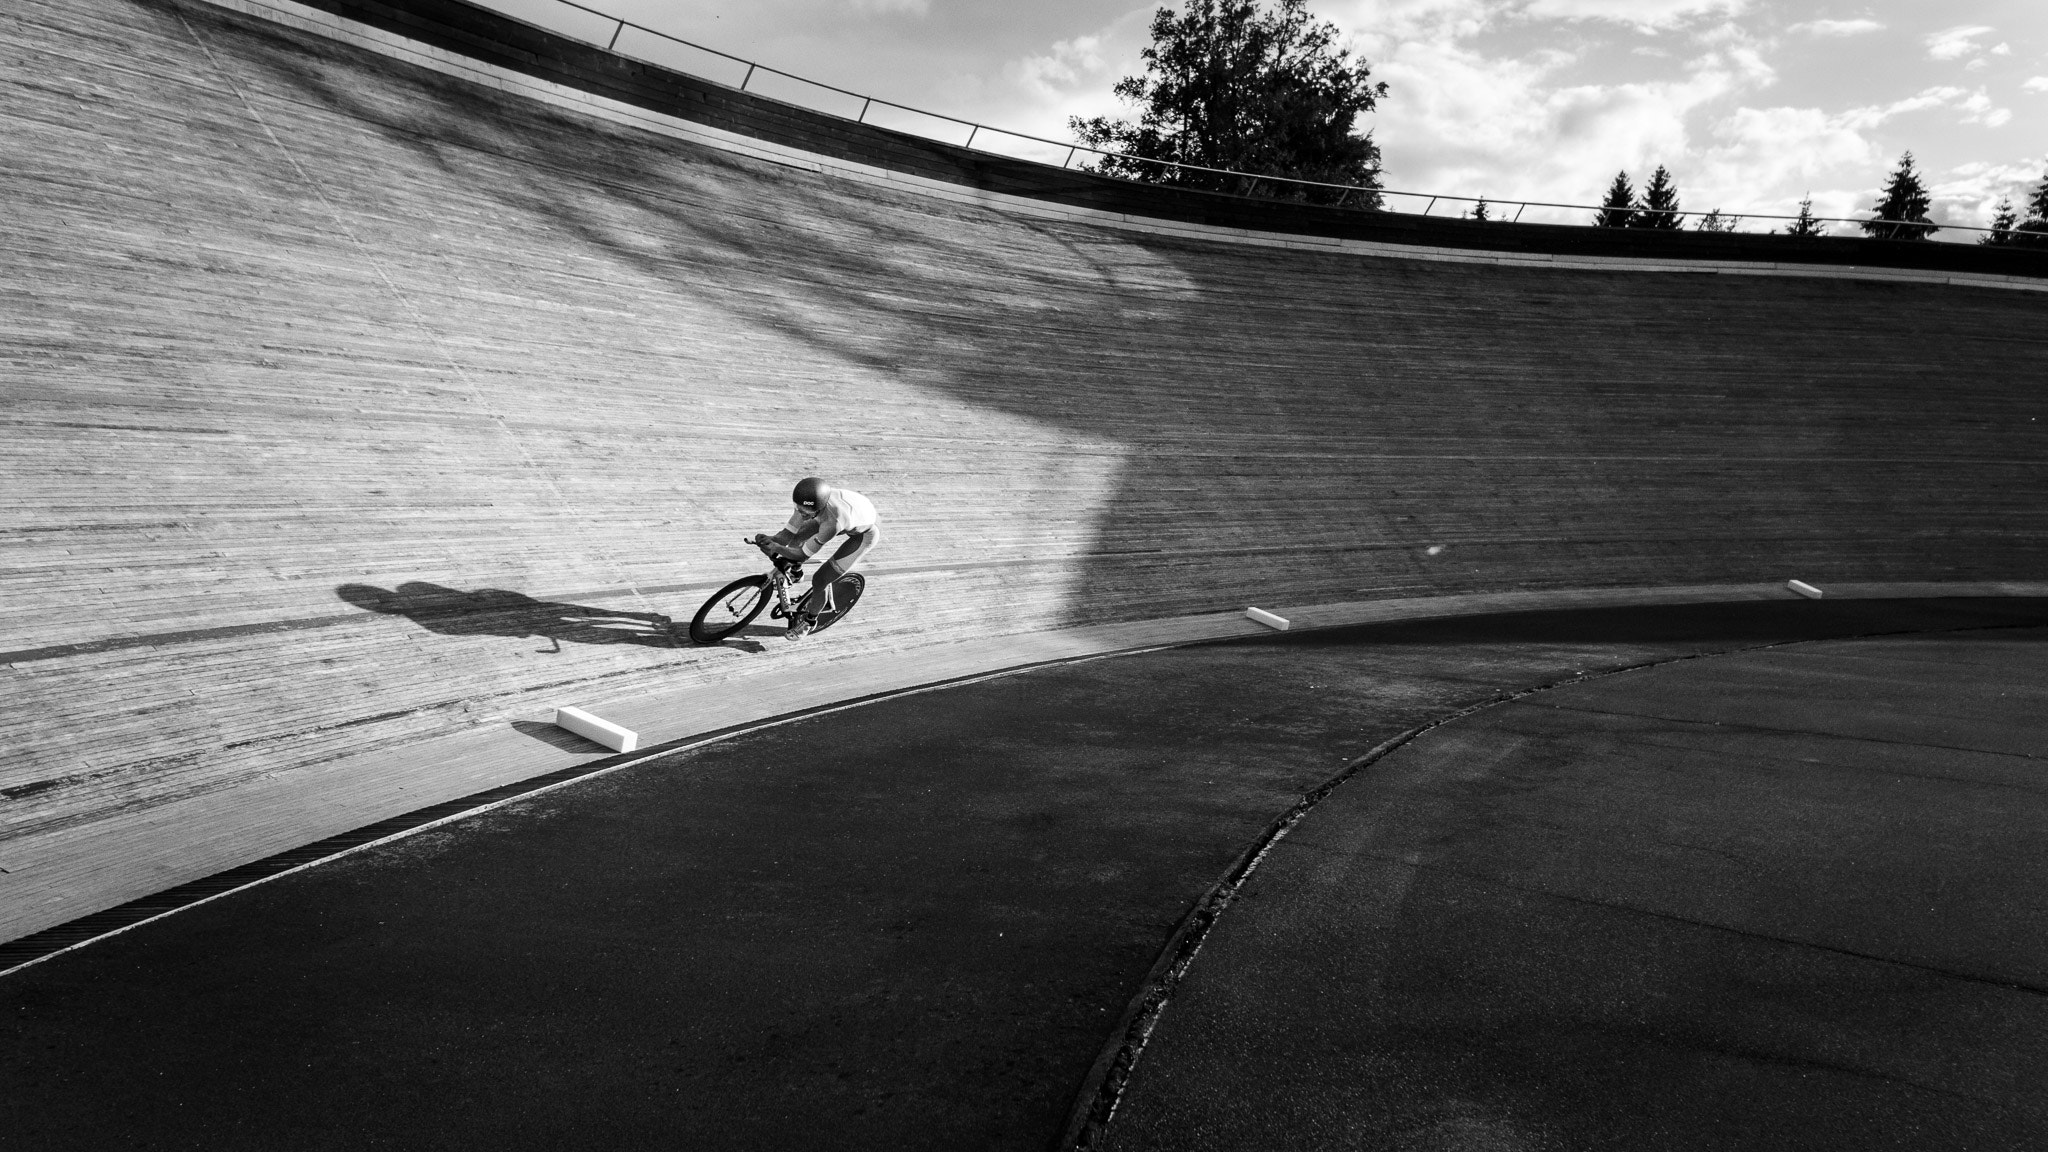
(497, 612)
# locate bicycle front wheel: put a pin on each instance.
(731, 609)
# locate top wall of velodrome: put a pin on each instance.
(458, 38)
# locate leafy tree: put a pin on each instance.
(1806, 225)
(1659, 206)
(1249, 85)
(1715, 222)
(1618, 210)
(1904, 199)
(2001, 223)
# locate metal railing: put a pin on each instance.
(661, 52)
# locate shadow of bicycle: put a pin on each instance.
(497, 612)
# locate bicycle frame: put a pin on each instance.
(782, 576)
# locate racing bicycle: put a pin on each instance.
(734, 606)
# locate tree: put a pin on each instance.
(1715, 222)
(1249, 85)
(2002, 222)
(2033, 231)
(1904, 199)
(1659, 206)
(1806, 225)
(1619, 208)
(1482, 211)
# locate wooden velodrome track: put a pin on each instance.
(358, 414)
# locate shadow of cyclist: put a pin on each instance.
(497, 612)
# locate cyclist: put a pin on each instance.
(822, 513)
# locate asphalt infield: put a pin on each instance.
(914, 924)
(1795, 898)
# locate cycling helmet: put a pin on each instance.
(807, 492)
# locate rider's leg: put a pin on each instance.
(843, 561)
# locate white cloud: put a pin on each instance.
(1976, 106)
(889, 7)
(1972, 191)
(1955, 43)
(1837, 27)
(1754, 149)
(1039, 91)
(2035, 84)
(1982, 111)
(1872, 115)
(1646, 15)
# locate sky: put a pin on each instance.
(1752, 104)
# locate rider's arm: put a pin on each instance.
(786, 543)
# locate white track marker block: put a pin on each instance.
(591, 728)
(1804, 589)
(1267, 618)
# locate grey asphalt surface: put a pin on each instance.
(908, 925)
(1788, 899)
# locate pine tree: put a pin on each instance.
(1482, 211)
(2001, 223)
(1902, 206)
(1806, 225)
(1659, 206)
(2033, 231)
(1619, 207)
(1714, 222)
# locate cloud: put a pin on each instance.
(1037, 92)
(1981, 110)
(1757, 148)
(1645, 15)
(1837, 27)
(2035, 84)
(1977, 104)
(1971, 193)
(1955, 43)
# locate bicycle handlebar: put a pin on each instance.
(762, 542)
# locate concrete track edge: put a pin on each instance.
(66, 876)
(397, 47)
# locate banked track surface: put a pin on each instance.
(352, 407)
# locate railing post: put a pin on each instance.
(1428, 206)
(615, 35)
(970, 136)
(865, 104)
(748, 78)
(1518, 213)
(1070, 156)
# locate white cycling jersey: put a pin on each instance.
(840, 512)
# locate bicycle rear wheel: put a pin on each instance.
(732, 608)
(845, 594)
